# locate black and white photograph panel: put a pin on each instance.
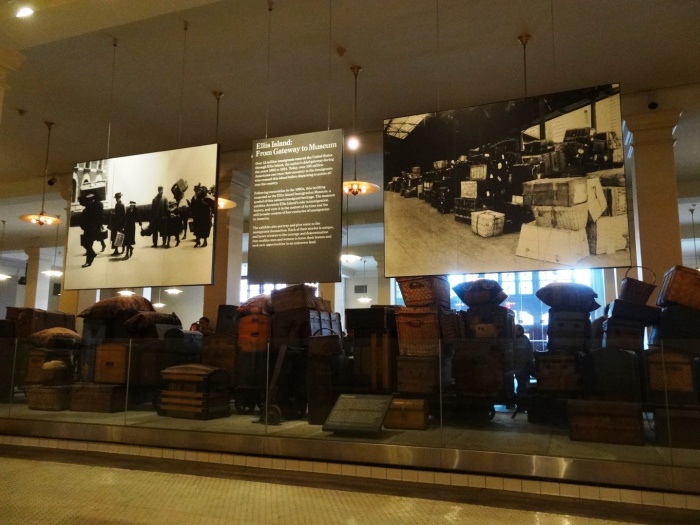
(530, 184)
(143, 220)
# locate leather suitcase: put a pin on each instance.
(227, 319)
(625, 334)
(407, 414)
(417, 375)
(681, 285)
(31, 320)
(253, 333)
(479, 368)
(565, 323)
(500, 316)
(606, 422)
(557, 374)
(373, 318)
(618, 375)
(220, 351)
(186, 341)
(679, 322)
(642, 313)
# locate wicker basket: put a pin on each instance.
(425, 291)
(292, 297)
(634, 290)
(48, 397)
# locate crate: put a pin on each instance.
(425, 291)
(681, 285)
(488, 223)
(418, 330)
(253, 333)
(48, 397)
(606, 422)
(292, 297)
(562, 217)
(555, 192)
(91, 397)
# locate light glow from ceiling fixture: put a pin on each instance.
(158, 305)
(225, 204)
(52, 273)
(126, 293)
(24, 12)
(353, 143)
(365, 300)
(348, 258)
(4, 277)
(359, 187)
(173, 291)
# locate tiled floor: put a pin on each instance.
(50, 481)
(45, 492)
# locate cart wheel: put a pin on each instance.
(294, 409)
(492, 413)
(271, 416)
(244, 405)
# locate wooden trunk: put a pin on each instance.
(195, 392)
(91, 397)
(479, 368)
(227, 319)
(31, 320)
(374, 356)
(407, 414)
(220, 351)
(621, 333)
(641, 313)
(606, 422)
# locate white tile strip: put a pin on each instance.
(569, 490)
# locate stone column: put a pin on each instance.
(9, 61)
(657, 231)
(36, 294)
(228, 249)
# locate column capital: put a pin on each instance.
(653, 126)
(10, 60)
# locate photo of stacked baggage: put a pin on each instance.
(19, 324)
(563, 369)
(608, 228)
(126, 343)
(673, 363)
(426, 330)
(482, 365)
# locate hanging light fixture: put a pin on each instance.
(43, 218)
(347, 257)
(159, 304)
(695, 245)
(221, 203)
(53, 272)
(3, 276)
(366, 298)
(356, 187)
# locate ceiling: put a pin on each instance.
(282, 73)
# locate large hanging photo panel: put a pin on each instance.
(143, 220)
(296, 209)
(531, 184)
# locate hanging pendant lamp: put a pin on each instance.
(356, 187)
(221, 202)
(43, 218)
(53, 272)
(3, 276)
(365, 299)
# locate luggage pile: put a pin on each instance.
(483, 357)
